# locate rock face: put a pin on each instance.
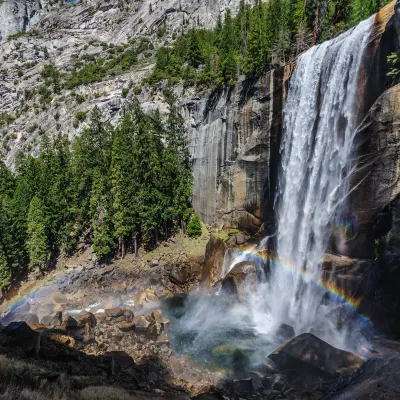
(17, 16)
(234, 138)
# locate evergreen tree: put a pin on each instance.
(5, 274)
(194, 226)
(36, 229)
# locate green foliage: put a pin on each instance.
(393, 61)
(194, 226)
(120, 186)
(262, 36)
(6, 119)
(36, 231)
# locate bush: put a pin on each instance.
(80, 116)
(194, 226)
(125, 92)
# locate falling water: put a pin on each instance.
(319, 126)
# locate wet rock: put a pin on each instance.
(309, 355)
(114, 312)
(278, 383)
(240, 280)
(163, 339)
(285, 331)
(87, 319)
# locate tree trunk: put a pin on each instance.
(122, 247)
(156, 238)
(135, 246)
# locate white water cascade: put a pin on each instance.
(319, 126)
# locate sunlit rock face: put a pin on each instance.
(234, 139)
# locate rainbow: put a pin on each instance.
(337, 293)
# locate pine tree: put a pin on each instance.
(37, 240)
(194, 226)
(100, 204)
(5, 273)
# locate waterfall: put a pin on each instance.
(320, 120)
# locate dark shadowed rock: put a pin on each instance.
(70, 323)
(243, 387)
(178, 276)
(379, 378)
(285, 331)
(310, 355)
(23, 335)
(121, 358)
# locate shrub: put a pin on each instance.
(125, 92)
(194, 226)
(80, 116)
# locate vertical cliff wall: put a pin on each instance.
(234, 138)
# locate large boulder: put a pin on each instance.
(310, 355)
(23, 336)
(147, 299)
(214, 260)
(240, 280)
(87, 319)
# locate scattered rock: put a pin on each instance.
(154, 263)
(309, 355)
(118, 287)
(87, 319)
(147, 299)
(126, 326)
(106, 270)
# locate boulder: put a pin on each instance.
(87, 319)
(147, 299)
(70, 323)
(121, 358)
(214, 260)
(126, 326)
(114, 312)
(310, 355)
(285, 332)
(55, 319)
(144, 327)
(234, 283)
(178, 275)
(23, 335)
(157, 316)
(243, 387)
(28, 318)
